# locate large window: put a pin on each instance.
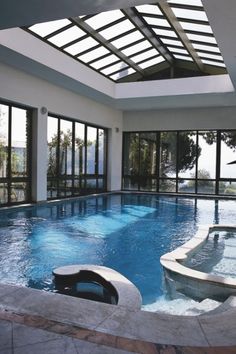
(202, 162)
(76, 158)
(15, 135)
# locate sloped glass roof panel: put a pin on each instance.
(136, 48)
(190, 14)
(94, 54)
(152, 62)
(215, 63)
(206, 47)
(178, 50)
(154, 21)
(186, 2)
(67, 36)
(196, 27)
(105, 61)
(199, 38)
(146, 55)
(122, 73)
(117, 29)
(111, 69)
(149, 9)
(104, 19)
(46, 28)
(182, 57)
(81, 46)
(210, 56)
(167, 33)
(127, 39)
(171, 42)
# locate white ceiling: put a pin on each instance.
(221, 15)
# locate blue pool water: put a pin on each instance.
(126, 232)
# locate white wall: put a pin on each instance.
(179, 119)
(19, 87)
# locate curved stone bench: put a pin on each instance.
(191, 282)
(127, 293)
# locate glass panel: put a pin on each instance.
(182, 57)
(131, 154)
(206, 148)
(81, 46)
(147, 184)
(127, 39)
(136, 48)
(79, 149)
(206, 187)
(43, 29)
(65, 158)
(91, 185)
(104, 18)
(154, 21)
(52, 140)
(151, 62)
(199, 38)
(167, 33)
(3, 193)
(186, 2)
(167, 185)
(186, 186)
(117, 29)
(146, 55)
(209, 62)
(3, 141)
(130, 183)
(122, 73)
(101, 184)
(149, 9)
(206, 47)
(91, 149)
(68, 187)
(62, 188)
(228, 154)
(103, 62)
(190, 14)
(187, 156)
(196, 27)
(19, 192)
(94, 54)
(227, 188)
(171, 42)
(178, 50)
(168, 147)
(147, 154)
(114, 68)
(101, 151)
(76, 187)
(52, 189)
(210, 56)
(19, 143)
(67, 36)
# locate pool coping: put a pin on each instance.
(113, 320)
(171, 261)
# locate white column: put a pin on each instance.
(114, 159)
(39, 155)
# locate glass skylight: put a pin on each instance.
(81, 46)
(104, 19)
(117, 29)
(119, 43)
(67, 36)
(44, 29)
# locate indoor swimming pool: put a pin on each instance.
(126, 232)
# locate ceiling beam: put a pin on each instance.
(170, 16)
(15, 13)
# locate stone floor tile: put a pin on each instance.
(24, 335)
(84, 347)
(60, 346)
(5, 335)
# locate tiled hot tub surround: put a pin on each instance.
(192, 282)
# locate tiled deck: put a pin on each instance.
(36, 322)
